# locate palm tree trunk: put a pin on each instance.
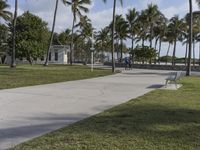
(151, 40)
(117, 48)
(186, 53)
(156, 43)
(160, 45)
(102, 52)
(113, 32)
(188, 71)
(13, 61)
(52, 34)
(72, 42)
(121, 55)
(142, 41)
(132, 47)
(132, 42)
(199, 54)
(168, 53)
(194, 61)
(174, 54)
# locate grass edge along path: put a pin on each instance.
(26, 75)
(167, 120)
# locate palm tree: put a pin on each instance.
(188, 70)
(196, 30)
(77, 6)
(65, 37)
(113, 32)
(103, 38)
(152, 15)
(86, 33)
(13, 61)
(52, 34)
(143, 28)
(6, 15)
(132, 19)
(160, 30)
(168, 38)
(121, 32)
(175, 28)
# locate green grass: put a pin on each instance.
(26, 75)
(160, 120)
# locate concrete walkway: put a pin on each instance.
(29, 112)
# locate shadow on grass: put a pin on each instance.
(157, 124)
(152, 121)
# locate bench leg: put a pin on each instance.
(166, 83)
(176, 85)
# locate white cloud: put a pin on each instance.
(100, 19)
(176, 10)
(45, 9)
(144, 3)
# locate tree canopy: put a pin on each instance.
(32, 36)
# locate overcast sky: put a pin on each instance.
(100, 13)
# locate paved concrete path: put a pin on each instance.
(29, 112)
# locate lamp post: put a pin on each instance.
(92, 53)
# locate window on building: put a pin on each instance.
(56, 56)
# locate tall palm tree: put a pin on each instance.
(175, 28)
(121, 32)
(168, 38)
(143, 26)
(195, 30)
(159, 30)
(188, 70)
(162, 29)
(152, 15)
(65, 37)
(77, 6)
(86, 33)
(52, 34)
(113, 32)
(102, 37)
(6, 15)
(132, 19)
(13, 61)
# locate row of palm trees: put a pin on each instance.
(149, 25)
(152, 26)
(76, 7)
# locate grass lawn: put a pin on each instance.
(26, 75)
(161, 120)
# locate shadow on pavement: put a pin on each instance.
(13, 136)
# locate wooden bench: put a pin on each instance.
(173, 77)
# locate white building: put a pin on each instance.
(59, 54)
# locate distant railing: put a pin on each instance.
(156, 67)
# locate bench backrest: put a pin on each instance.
(175, 75)
(178, 75)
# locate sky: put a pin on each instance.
(101, 13)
